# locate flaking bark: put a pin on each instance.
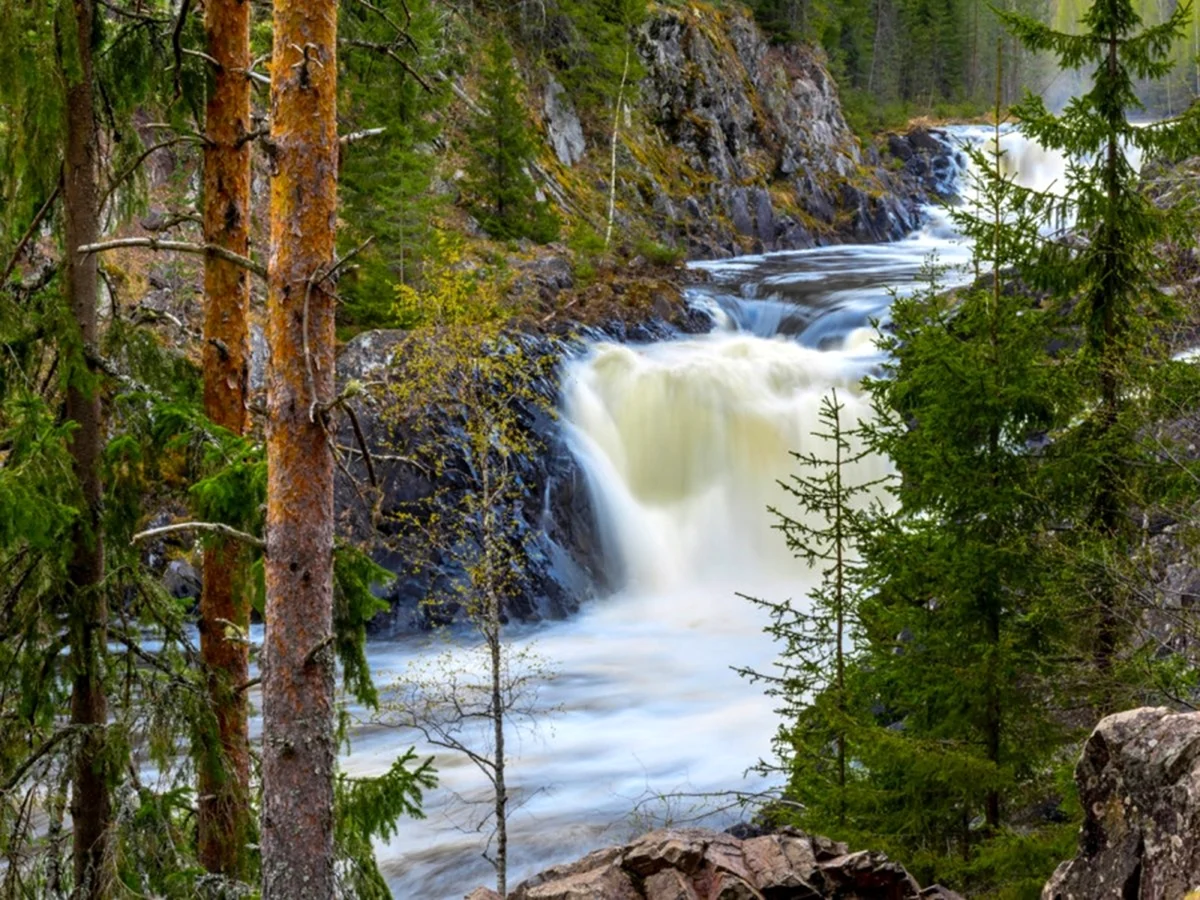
(224, 775)
(298, 746)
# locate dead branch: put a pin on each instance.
(355, 136)
(179, 247)
(177, 44)
(212, 527)
(390, 52)
(133, 167)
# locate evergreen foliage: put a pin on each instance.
(1019, 413)
(896, 58)
(1108, 284)
(594, 53)
(386, 181)
(820, 638)
(501, 191)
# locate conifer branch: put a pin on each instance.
(212, 527)
(179, 247)
(390, 52)
(30, 231)
(48, 745)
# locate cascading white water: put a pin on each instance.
(682, 442)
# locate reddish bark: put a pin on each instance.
(224, 770)
(91, 806)
(298, 746)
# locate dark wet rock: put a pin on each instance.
(181, 580)
(695, 864)
(563, 560)
(739, 213)
(928, 163)
(1139, 785)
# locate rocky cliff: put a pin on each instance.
(734, 145)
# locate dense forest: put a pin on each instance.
(209, 504)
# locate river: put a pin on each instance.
(682, 441)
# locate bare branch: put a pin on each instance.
(389, 51)
(49, 744)
(362, 444)
(251, 136)
(355, 136)
(142, 157)
(177, 44)
(200, 54)
(213, 527)
(179, 247)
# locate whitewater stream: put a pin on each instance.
(682, 442)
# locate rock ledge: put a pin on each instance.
(695, 864)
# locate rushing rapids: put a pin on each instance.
(682, 442)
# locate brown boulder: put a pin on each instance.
(696, 864)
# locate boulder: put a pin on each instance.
(182, 581)
(697, 864)
(1139, 784)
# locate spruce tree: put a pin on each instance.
(1108, 281)
(820, 638)
(502, 194)
(386, 179)
(956, 627)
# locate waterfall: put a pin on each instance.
(684, 443)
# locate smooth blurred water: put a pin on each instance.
(682, 442)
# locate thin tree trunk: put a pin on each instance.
(839, 540)
(91, 805)
(616, 131)
(298, 745)
(1105, 342)
(498, 726)
(994, 719)
(224, 769)
(492, 634)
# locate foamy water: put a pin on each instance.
(682, 442)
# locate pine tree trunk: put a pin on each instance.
(91, 805)
(224, 775)
(298, 745)
(1105, 340)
